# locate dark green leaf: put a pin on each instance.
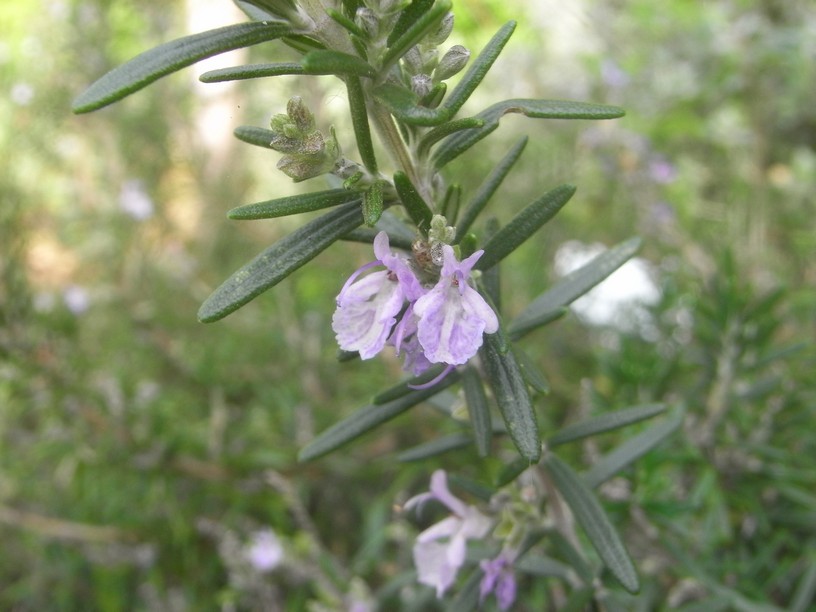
(170, 57)
(444, 130)
(631, 450)
(426, 22)
(572, 556)
(605, 422)
(590, 515)
(253, 71)
(366, 419)
(293, 205)
(359, 120)
(573, 286)
(450, 203)
(532, 374)
(467, 597)
(373, 204)
(407, 17)
(258, 136)
(366, 235)
(539, 565)
(579, 600)
(488, 188)
(417, 208)
(510, 391)
(457, 144)
(405, 387)
(334, 62)
(805, 594)
(511, 471)
(545, 318)
(478, 410)
(404, 105)
(524, 225)
(435, 447)
(347, 23)
(279, 261)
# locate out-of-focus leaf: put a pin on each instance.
(417, 208)
(425, 23)
(467, 597)
(323, 61)
(539, 565)
(488, 188)
(293, 205)
(252, 71)
(478, 410)
(457, 144)
(510, 391)
(511, 471)
(573, 557)
(573, 286)
(578, 601)
(524, 225)
(258, 136)
(592, 518)
(408, 17)
(605, 422)
(805, 593)
(373, 204)
(279, 261)
(545, 318)
(170, 57)
(435, 447)
(366, 419)
(634, 448)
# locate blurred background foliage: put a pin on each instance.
(140, 450)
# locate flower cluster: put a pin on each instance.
(443, 323)
(439, 551)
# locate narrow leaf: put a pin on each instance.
(404, 105)
(279, 261)
(592, 518)
(373, 204)
(258, 136)
(510, 391)
(405, 387)
(488, 188)
(532, 374)
(545, 318)
(359, 120)
(170, 57)
(417, 208)
(631, 450)
(511, 471)
(478, 410)
(573, 286)
(407, 17)
(457, 144)
(435, 447)
(444, 130)
(335, 62)
(524, 225)
(478, 69)
(293, 205)
(605, 422)
(347, 23)
(252, 71)
(539, 565)
(366, 419)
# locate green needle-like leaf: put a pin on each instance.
(488, 188)
(252, 71)
(407, 17)
(334, 62)
(605, 422)
(446, 129)
(293, 205)
(524, 225)
(373, 204)
(414, 33)
(458, 143)
(258, 136)
(571, 287)
(366, 419)
(417, 208)
(592, 518)
(435, 447)
(359, 120)
(510, 391)
(634, 448)
(404, 105)
(478, 410)
(279, 261)
(170, 57)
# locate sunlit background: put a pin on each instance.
(148, 461)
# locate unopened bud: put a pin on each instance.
(303, 118)
(440, 35)
(368, 21)
(421, 84)
(452, 62)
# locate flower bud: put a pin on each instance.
(440, 35)
(421, 84)
(368, 21)
(452, 62)
(302, 116)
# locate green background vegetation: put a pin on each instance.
(136, 444)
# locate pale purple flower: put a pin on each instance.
(662, 171)
(265, 551)
(134, 201)
(453, 316)
(498, 579)
(367, 308)
(439, 551)
(76, 299)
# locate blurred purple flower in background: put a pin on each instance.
(134, 201)
(662, 171)
(499, 580)
(76, 299)
(265, 551)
